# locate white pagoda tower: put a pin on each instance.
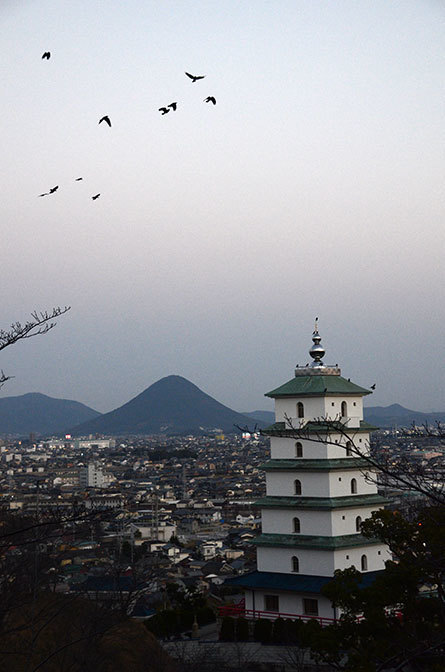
(317, 495)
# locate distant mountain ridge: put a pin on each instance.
(172, 405)
(385, 417)
(263, 416)
(43, 415)
(398, 416)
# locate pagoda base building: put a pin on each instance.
(317, 495)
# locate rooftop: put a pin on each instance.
(321, 503)
(286, 464)
(322, 543)
(320, 427)
(311, 385)
(302, 583)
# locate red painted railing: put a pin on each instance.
(236, 610)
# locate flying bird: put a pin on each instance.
(173, 106)
(210, 99)
(95, 197)
(164, 110)
(47, 55)
(194, 78)
(78, 179)
(372, 387)
(51, 191)
(106, 118)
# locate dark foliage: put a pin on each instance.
(227, 630)
(242, 630)
(262, 631)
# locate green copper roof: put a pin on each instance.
(302, 464)
(321, 503)
(328, 427)
(322, 543)
(315, 385)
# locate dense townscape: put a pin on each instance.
(181, 508)
(182, 505)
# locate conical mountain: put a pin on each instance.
(172, 405)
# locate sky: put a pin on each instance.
(314, 187)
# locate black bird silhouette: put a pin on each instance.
(106, 118)
(372, 387)
(173, 106)
(78, 179)
(194, 78)
(210, 99)
(164, 110)
(95, 196)
(47, 55)
(51, 191)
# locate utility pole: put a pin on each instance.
(184, 482)
(155, 515)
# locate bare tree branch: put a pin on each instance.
(40, 323)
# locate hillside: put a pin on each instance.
(35, 412)
(262, 416)
(398, 416)
(172, 405)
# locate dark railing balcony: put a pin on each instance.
(237, 611)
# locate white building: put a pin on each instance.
(93, 476)
(93, 444)
(317, 494)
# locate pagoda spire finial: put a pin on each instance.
(317, 351)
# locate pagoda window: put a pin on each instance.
(297, 527)
(348, 448)
(310, 606)
(344, 409)
(358, 524)
(364, 563)
(353, 486)
(297, 487)
(298, 449)
(271, 603)
(295, 564)
(300, 410)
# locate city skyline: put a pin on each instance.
(313, 187)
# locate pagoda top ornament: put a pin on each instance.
(317, 352)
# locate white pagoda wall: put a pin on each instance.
(284, 448)
(317, 523)
(320, 563)
(317, 484)
(318, 407)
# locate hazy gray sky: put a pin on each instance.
(315, 186)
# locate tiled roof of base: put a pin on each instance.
(299, 583)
